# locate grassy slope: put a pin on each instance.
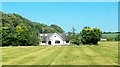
(110, 35)
(105, 53)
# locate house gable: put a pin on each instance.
(55, 35)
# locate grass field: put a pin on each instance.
(110, 35)
(105, 53)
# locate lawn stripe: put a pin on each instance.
(10, 50)
(30, 57)
(105, 55)
(93, 54)
(16, 49)
(15, 60)
(64, 57)
(59, 53)
(88, 55)
(70, 56)
(20, 53)
(49, 58)
(78, 56)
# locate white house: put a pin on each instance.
(53, 39)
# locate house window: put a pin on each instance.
(67, 41)
(57, 42)
(43, 41)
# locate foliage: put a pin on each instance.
(73, 37)
(110, 32)
(117, 37)
(111, 36)
(17, 30)
(68, 36)
(57, 28)
(76, 39)
(5, 36)
(90, 36)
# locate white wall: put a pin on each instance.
(43, 43)
(66, 43)
(55, 37)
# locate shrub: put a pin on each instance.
(90, 35)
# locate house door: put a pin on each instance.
(49, 42)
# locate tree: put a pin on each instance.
(117, 38)
(68, 36)
(34, 37)
(17, 30)
(26, 36)
(57, 28)
(5, 36)
(73, 37)
(22, 35)
(76, 39)
(90, 36)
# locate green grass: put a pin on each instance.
(104, 53)
(110, 35)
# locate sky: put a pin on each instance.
(103, 15)
(60, 0)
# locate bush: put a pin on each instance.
(90, 36)
(76, 39)
(117, 37)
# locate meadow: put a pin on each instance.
(112, 35)
(103, 54)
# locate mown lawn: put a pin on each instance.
(104, 53)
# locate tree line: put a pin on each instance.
(91, 36)
(19, 31)
(111, 32)
(88, 36)
(112, 36)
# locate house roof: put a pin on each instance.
(62, 35)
